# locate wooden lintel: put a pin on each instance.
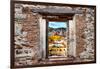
(53, 17)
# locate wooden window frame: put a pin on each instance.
(47, 21)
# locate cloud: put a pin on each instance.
(58, 24)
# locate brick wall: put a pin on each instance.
(80, 36)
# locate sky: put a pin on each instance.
(57, 24)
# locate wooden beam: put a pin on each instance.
(63, 17)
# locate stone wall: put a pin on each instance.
(85, 34)
(28, 50)
(89, 34)
(26, 36)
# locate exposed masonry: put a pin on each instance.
(27, 34)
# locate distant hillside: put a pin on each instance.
(50, 29)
